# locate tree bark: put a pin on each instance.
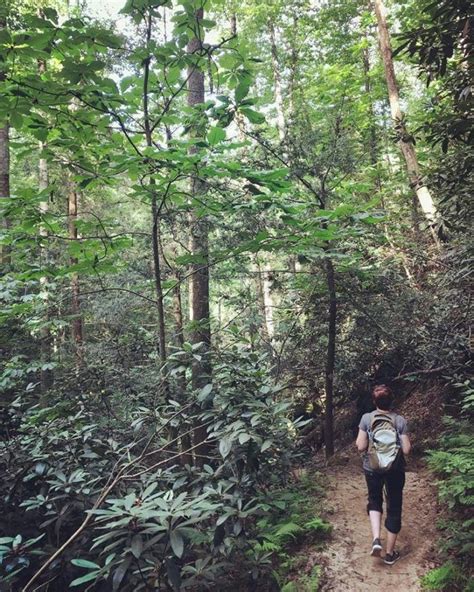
(45, 334)
(372, 130)
(266, 299)
(330, 361)
(46, 378)
(404, 139)
(4, 169)
(76, 326)
(5, 186)
(155, 209)
(199, 271)
(281, 123)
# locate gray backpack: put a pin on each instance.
(384, 444)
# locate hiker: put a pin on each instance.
(383, 439)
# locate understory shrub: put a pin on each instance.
(154, 519)
(453, 463)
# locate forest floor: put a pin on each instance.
(348, 566)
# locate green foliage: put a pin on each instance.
(16, 556)
(447, 577)
(289, 523)
(305, 583)
(105, 110)
(197, 519)
(453, 463)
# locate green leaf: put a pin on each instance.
(204, 392)
(225, 446)
(85, 563)
(137, 546)
(244, 438)
(215, 135)
(252, 116)
(16, 120)
(173, 572)
(177, 543)
(242, 90)
(149, 490)
(87, 578)
(120, 573)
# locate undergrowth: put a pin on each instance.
(285, 532)
(453, 463)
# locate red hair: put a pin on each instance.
(382, 397)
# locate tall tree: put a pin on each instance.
(281, 124)
(76, 325)
(45, 333)
(405, 141)
(199, 241)
(155, 207)
(4, 157)
(330, 360)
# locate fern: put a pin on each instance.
(288, 530)
(318, 525)
(445, 578)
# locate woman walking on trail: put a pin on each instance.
(383, 439)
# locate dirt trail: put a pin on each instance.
(349, 567)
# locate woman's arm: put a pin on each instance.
(405, 443)
(362, 441)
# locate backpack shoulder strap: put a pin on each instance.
(386, 417)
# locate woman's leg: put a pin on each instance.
(375, 523)
(375, 501)
(394, 487)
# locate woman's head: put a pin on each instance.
(382, 397)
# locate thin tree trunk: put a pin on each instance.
(404, 139)
(373, 130)
(233, 24)
(294, 57)
(330, 361)
(199, 276)
(268, 302)
(4, 172)
(261, 300)
(281, 123)
(5, 186)
(76, 327)
(45, 334)
(186, 441)
(155, 210)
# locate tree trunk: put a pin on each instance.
(281, 124)
(373, 129)
(4, 171)
(76, 326)
(404, 139)
(186, 442)
(199, 271)
(293, 75)
(330, 361)
(155, 209)
(45, 333)
(233, 24)
(5, 186)
(266, 282)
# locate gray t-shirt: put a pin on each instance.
(400, 425)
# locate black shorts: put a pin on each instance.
(394, 482)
